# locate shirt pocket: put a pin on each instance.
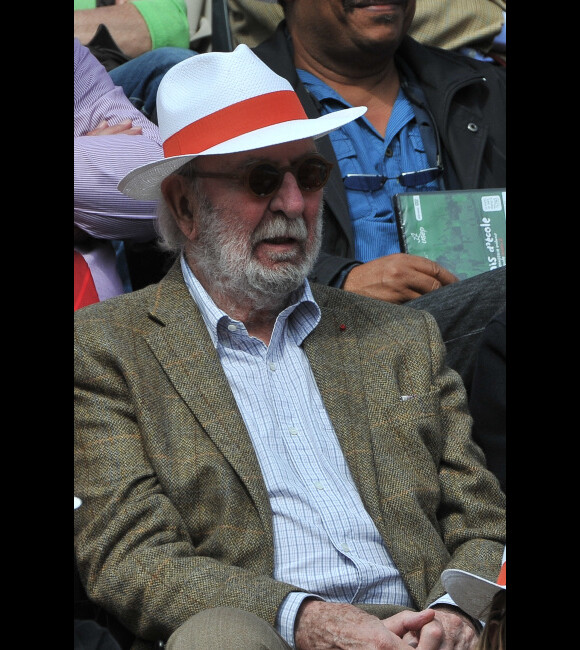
(361, 204)
(416, 141)
(344, 151)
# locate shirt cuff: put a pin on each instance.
(447, 600)
(341, 277)
(286, 618)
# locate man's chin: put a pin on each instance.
(278, 277)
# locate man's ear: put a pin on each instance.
(181, 201)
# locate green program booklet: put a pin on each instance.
(463, 230)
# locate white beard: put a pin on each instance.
(224, 254)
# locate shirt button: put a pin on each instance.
(318, 485)
(472, 127)
(272, 366)
(293, 431)
(232, 327)
(345, 548)
(389, 152)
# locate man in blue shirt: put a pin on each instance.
(428, 109)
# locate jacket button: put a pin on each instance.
(472, 127)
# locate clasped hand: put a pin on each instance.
(338, 626)
(125, 127)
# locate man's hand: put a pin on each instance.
(449, 630)
(337, 626)
(397, 278)
(125, 127)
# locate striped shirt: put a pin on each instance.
(324, 540)
(100, 162)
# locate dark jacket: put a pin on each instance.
(468, 103)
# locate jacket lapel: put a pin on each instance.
(186, 352)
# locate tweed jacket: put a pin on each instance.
(467, 99)
(175, 515)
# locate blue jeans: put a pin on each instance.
(141, 76)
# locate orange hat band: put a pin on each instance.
(232, 121)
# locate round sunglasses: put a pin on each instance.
(263, 178)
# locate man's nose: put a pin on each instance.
(288, 198)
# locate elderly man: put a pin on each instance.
(264, 462)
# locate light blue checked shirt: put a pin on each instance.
(324, 540)
(361, 149)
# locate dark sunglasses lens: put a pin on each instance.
(312, 174)
(413, 179)
(264, 180)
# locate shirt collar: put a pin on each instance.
(320, 89)
(401, 114)
(302, 315)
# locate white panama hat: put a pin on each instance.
(225, 102)
(473, 594)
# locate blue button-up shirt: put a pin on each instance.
(324, 540)
(361, 149)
